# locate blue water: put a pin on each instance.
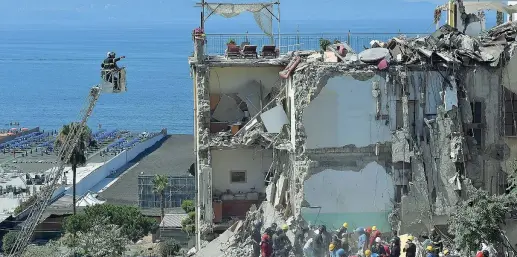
(45, 72)
(45, 76)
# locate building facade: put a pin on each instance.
(395, 144)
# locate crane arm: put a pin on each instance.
(64, 154)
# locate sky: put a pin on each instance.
(98, 12)
(404, 15)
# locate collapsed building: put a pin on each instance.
(392, 135)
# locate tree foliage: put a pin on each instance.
(51, 249)
(479, 218)
(160, 183)
(78, 157)
(189, 224)
(188, 206)
(169, 248)
(132, 223)
(9, 240)
(25, 204)
(101, 239)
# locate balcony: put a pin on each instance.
(216, 43)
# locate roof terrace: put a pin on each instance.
(217, 44)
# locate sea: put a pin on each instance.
(45, 73)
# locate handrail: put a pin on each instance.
(215, 43)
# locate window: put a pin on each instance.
(475, 130)
(238, 176)
(400, 117)
(510, 118)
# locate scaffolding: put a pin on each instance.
(178, 189)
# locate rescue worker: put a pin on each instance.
(299, 239)
(327, 237)
(257, 239)
(437, 240)
(271, 230)
(374, 234)
(343, 231)
(378, 248)
(109, 65)
(368, 237)
(395, 247)
(367, 253)
(362, 244)
(446, 252)
(483, 253)
(410, 247)
(318, 245)
(332, 250)
(266, 247)
(430, 251)
(308, 249)
(341, 253)
(281, 244)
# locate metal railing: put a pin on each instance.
(216, 43)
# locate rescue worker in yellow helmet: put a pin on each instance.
(332, 250)
(375, 233)
(343, 232)
(430, 251)
(281, 244)
(410, 247)
(367, 253)
(446, 252)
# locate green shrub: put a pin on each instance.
(169, 248)
(9, 240)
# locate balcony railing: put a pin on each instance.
(216, 43)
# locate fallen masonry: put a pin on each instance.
(399, 130)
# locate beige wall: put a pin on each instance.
(255, 162)
(228, 80)
(344, 114)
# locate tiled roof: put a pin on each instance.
(173, 220)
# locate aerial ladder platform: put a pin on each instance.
(35, 212)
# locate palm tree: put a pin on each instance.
(78, 156)
(160, 183)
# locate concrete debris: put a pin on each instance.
(400, 147)
(228, 110)
(251, 94)
(274, 119)
(373, 55)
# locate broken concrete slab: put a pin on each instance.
(274, 119)
(227, 110)
(251, 94)
(374, 55)
(281, 191)
(400, 147)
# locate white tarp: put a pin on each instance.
(262, 12)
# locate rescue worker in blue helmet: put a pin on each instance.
(341, 253)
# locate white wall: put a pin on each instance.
(356, 195)
(255, 162)
(228, 80)
(115, 163)
(344, 113)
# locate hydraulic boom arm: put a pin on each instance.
(43, 198)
